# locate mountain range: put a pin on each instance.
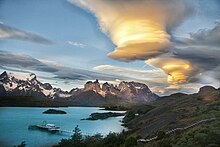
(93, 93)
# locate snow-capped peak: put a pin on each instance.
(22, 76)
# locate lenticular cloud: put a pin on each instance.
(138, 28)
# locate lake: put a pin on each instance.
(14, 122)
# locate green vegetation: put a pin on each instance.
(161, 134)
(111, 140)
(115, 108)
(54, 111)
(97, 116)
(206, 135)
(167, 113)
(136, 111)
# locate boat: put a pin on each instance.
(46, 127)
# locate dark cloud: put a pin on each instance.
(208, 37)
(8, 60)
(7, 32)
(205, 59)
(202, 50)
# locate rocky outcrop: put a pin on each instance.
(124, 92)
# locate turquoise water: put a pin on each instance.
(14, 122)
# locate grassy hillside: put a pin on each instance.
(179, 110)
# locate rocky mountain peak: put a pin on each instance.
(95, 86)
(28, 85)
(3, 76)
(106, 86)
(32, 76)
(47, 86)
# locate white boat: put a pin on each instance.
(45, 126)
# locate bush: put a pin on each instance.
(130, 142)
(114, 140)
(23, 144)
(160, 135)
(93, 141)
(129, 116)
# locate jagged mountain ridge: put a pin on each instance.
(92, 93)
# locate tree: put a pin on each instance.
(93, 141)
(77, 136)
(23, 144)
(76, 139)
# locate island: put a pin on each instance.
(54, 111)
(101, 116)
(116, 108)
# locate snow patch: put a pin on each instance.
(64, 95)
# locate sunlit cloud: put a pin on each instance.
(143, 30)
(202, 50)
(178, 70)
(135, 73)
(138, 28)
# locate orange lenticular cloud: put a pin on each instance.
(138, 28)
(138, 39)
(179, 71)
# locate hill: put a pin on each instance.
(178, 111)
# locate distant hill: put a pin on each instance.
(93, 93)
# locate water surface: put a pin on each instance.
(14, 122)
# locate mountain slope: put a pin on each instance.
(175, 111)
(93, 93)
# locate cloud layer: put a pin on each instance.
(138, 28)
(202, 50)
(7, 32)
(193, 59)
(8, 60)
(142, 30)
(135, 73)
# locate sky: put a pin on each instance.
(170, 45)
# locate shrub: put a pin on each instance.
(160, 135)
(130, 142)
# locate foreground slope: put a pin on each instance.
(177, 111)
